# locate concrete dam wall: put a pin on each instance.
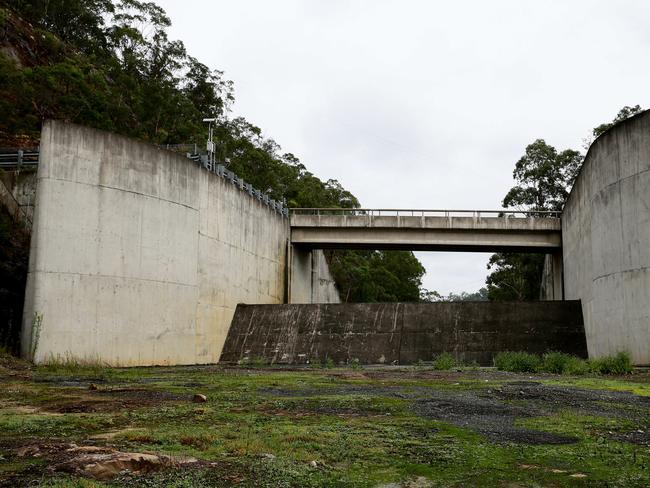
(606, 238)
(139, 256)
(402, 332)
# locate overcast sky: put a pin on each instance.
(423, 104)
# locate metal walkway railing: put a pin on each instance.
(400, 212)
(17, 158)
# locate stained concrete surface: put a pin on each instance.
(401, 333)
(606, 239)
(139, 256)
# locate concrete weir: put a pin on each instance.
(402, 333)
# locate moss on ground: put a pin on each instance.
(263, 427)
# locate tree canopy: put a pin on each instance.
(110, 64)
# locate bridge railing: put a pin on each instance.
(17, 158)
(400, 212)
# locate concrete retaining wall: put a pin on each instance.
(402, 332)
(606, 235)
(139, 256)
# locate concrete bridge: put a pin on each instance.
(313, 229)
(427, 230)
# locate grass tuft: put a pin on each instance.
(70, 365)
(518, 362)
(620, 363)
(444, 361)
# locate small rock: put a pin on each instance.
(198, 398)
(313, 464)
(267, 455)
(578, 475)
(92, 386)
(27, 451)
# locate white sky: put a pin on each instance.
(423, 104)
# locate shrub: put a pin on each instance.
(444, 361)
(355, 364)
(620, 363)
(555, 362)
(576, 366)
(518, 362)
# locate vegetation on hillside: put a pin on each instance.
(110, 64)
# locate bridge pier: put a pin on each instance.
(553, 277)
(310, 280)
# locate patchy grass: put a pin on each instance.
(332, 427)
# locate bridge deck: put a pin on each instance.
(474, 231)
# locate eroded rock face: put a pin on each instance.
(104, 463)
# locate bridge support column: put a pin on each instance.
(310, 280)
(553, 277)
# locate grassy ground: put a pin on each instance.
(394, 427)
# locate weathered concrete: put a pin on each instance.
(552, 287)
(477, 234)
(139, 256)
(310, 280)
(402, 332)
(606, 231)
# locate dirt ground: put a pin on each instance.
(388, 427)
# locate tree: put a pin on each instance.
(433, 296)
(623, 114)
(543, 179)
(377, 276)
(110, 64)
(514, 276)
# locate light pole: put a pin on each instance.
(210, 144)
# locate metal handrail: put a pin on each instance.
(17, 158)
(402, 212)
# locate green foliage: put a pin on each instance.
(444, 362)
(514, 276)
(555, 362)
(623, 114)
(111, 65)
(561, 363)
(576, 366)
(544, 177)
(620, 363)
(377, 276)
(14, 253)
(519, 362)
(433, 296)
